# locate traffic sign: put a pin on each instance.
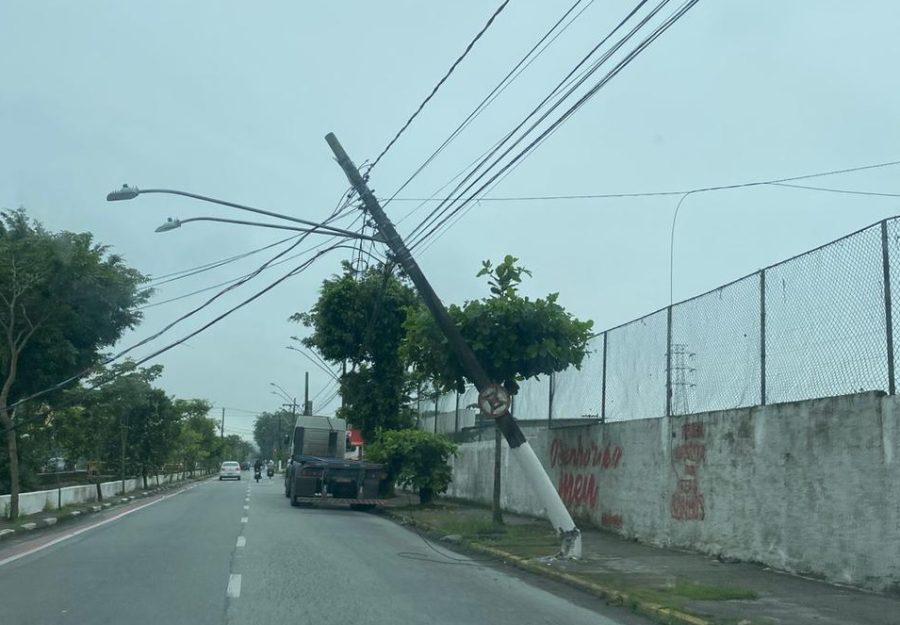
(494, 401)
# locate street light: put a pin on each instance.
(174, 223)
(328, 371)
(129, 193)
(284, 394)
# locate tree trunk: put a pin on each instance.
(496, 513)
(426, 495)
(99, 490)
(12, 448)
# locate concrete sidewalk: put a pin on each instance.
(639, 575)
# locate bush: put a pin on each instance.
(415, 459)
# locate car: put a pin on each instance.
(230, 470)
(245, 466)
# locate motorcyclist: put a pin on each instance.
(257, 466)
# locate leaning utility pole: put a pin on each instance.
(492, 398)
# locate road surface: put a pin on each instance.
(237, 552)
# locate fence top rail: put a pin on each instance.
(749, 275)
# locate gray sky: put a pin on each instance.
(233, 99)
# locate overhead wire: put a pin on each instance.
(617, 68)
(109, 359)
(439, 84)
(507, 80)
(562, 84)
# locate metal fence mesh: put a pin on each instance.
(715, 349)
(579, 393)
(816, 325)
(636, 368)
(825, 329)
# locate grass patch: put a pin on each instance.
(703, 592)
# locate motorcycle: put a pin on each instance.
(257, 475)
(270, 472)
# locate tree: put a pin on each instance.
(515, 338)
(358, 321)
(63, 298)
(269, 431)
(415, 459)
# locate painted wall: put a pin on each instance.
(810, 487)
(39, 500)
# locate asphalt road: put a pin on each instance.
(237, 552)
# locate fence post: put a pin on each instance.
(762, 337)
(550, 394)
(669, 361)
(456, 420)
(603, 383)
(888, 314)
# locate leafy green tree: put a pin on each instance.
(514, 337)
(358, 321)
(415, 459)
(269, 430)
(63, 298)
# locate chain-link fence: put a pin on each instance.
(816, 325)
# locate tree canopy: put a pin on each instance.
(514, 337)
(358, 321)
(63, 299)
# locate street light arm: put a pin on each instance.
(177, 223)
(128, 193)
(285, 395)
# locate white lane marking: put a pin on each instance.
(246, 507)
(241, 541)
(234, 586)
(77, 532)
(244, 519)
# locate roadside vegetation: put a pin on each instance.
(64, 301)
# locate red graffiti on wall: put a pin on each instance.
(593, 455)
(687, 458)
(578, 490)
(611, 520)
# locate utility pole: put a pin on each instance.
(307, 409)
(222, 427)
(490, 394)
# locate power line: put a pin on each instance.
(435, 214)
(185, 273)
(781, 182)
(507, 80)
(439, 84)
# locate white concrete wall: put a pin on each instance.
(810, 487)
(37, 501)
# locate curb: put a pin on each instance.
(610, 595)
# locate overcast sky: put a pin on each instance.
(233, 99)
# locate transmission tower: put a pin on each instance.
(682, 378)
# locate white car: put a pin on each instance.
(230, 470)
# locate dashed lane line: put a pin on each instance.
(234, 586)
(244, 519)
(241, 541)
